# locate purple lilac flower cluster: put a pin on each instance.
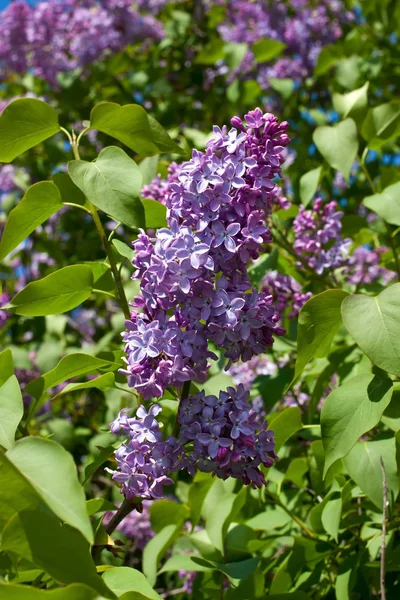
(363, 267)
(227, 436)
(305, 27)
(318, 238)
(194, 283)
(62, 35)
(286, 293)
(224, 436)
(144, 460)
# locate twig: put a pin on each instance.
(123, 511)
(383, 545)
(294, 517)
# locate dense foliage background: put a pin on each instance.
(326, 523)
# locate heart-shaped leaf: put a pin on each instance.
(131, 125)
(112, 183)
(319, 320)
(353, 104)
(386, 204)
(23, 124)
(309, 183)
(350, 411)
(338, 145)
(381, 124)
(374, 324)
(363, 464)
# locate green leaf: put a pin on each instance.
(211, 53)
(68, 190)
(331, 514)
(103, 382)
(112, 183)
(72, 365)
(319, 320)
(218, 382)
(350, 411)
(155, 549)
(374, 324)
(327, 59)
(198, 491)
(123, 249)
(364, 467)
(285, 87)
(41, 201)
(167, 512)
(75, 591)
(100, 459)
(381, 124)
(266, 49)
(221, 515)
(11, 411)
(346, 577)
(149, 168)
(51, 471)
(161, 138)
(338, 145)
(57, 293)
(284, 424)
(155, 214)
(309, 183)
(126, 579)
(23, 124)
(185, 562)
(58, 549)
(234, 54)
(131, 125)
(386, 204)
(97, 505)
(354, 104)
(6, 365)
(16, 492)
(272, 387)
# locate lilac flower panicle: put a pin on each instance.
(318, 238)
(286, 292)
(305, 27)
(194, 284)
(64, 35)
(363, 267)
(226, 436)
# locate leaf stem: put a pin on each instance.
(294, 517)
(383, 545)
(102, 234)
(67, 133)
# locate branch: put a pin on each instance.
(383, 546)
